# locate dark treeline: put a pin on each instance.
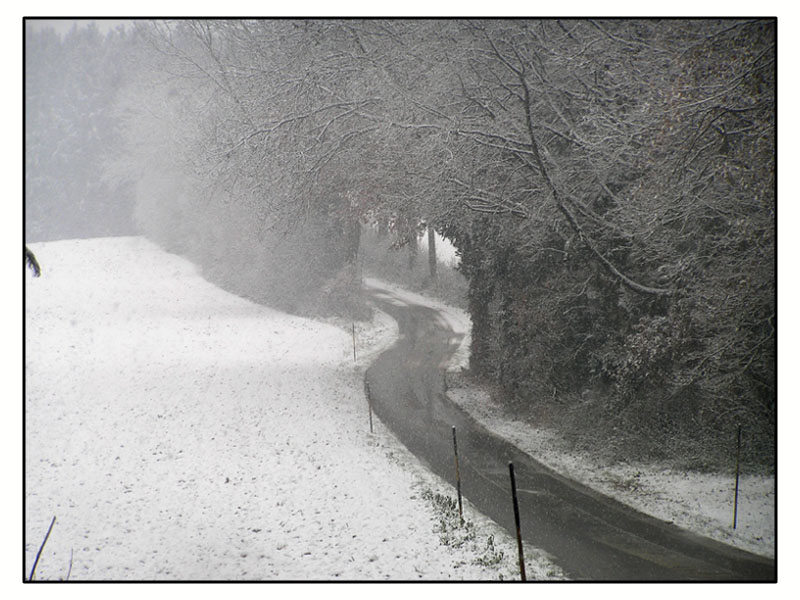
(609, 185)
(71, 86)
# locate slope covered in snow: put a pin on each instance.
(178, 432)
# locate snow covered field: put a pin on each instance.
(178, 432)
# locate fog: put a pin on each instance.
(64, 26)
(148, 128)
(613, 214)
(602, 194)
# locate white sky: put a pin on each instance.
(65, 25)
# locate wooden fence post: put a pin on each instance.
(516, 520)
(458, 477)
(736, 490)
(369, 404)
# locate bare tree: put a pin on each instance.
(607, 182)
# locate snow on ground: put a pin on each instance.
(456, 319)
(178, 432)
(699, 502)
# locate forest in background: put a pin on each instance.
(610, 186)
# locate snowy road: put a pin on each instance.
(590, 536)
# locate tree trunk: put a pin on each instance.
(413, 249)
(383, 226)
(432, 250)
(353, 241)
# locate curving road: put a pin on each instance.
(590, 536)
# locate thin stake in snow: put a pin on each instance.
(354, 342)
(516, 521)
(71, 550)
(736, 489)
(39, 553)
(458, 477)
(369, 404)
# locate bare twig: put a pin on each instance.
(69, 572)
(39, 553)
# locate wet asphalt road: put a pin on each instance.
(591, 537)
